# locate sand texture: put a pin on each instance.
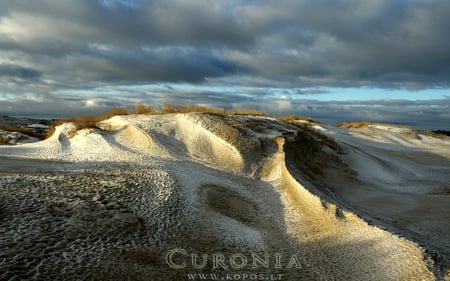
(110, 203)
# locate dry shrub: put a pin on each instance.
(112, 112)
(361, 124)
(85, 122)
(291, 118)
(412, 133)
(355, 125)
(188, 108)
(82, 122)
(219, 111)
(177, 109)
(25, 131)
(168, 107)
(253, 112)
(143, 109)
(204, 109)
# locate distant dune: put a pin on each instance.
(150, 197)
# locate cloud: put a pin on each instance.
(425, 114)
(345, 43)
(69, 52)
(430, 114)
(16, 71)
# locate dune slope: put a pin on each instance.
(127, 194)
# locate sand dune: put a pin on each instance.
(139, 187)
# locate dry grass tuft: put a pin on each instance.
(111, 113)
(356, 125)
(143, 109)
(291, 118)
(412, 133)
(168, 107)
(87, 121)
(253, 112)
(204, 109)
(83, 122)
(91, 121)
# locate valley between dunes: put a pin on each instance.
(110, 203)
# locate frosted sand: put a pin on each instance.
(144, 185)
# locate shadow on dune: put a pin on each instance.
(435, 259)
(230, 197)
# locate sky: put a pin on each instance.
(333, 60)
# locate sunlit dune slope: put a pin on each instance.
(205, 183)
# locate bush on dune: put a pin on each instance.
(350, 125)
(86, 121)
(90, 121)
(143, 109)
(204, 109)
(111, 113)
(413, 132)
(169, 107)
(82, 122)
(291, 118)
(253, 112)
(361, 124)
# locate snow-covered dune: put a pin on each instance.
(129, 192)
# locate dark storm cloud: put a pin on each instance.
(112, 42)
(327, 43)
(377, 43)
(16, 71)
(163, 63)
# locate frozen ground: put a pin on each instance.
(109, 204)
